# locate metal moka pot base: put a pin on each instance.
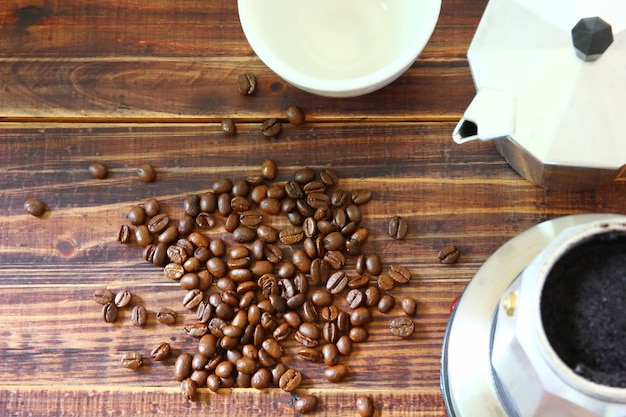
(467, 381)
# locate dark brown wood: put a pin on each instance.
(125, 83)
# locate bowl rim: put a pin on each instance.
(359, 85)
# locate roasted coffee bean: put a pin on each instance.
(158, 223)
(241, 187)
(228, 126)
(365, 406)
(240, 204)
(146, 173)
(98, 170)
(262, 379)
(251, 218)
(139, 315)
(361, 196)
(449, 254)
(330, 332)
(136, 215)
(291, 235)
(305, 341)
(208, 202)
(336, 373)
(398, 227)
(330, 354)
(195, 329)
(344, 345)
(269, 169)
(185, 225)
(109, 312)
(273, 347)
(372, 296)
(244, 234)
(306, 404)
(177, 254)
(246, 84)
(373, 264)
(335, 259)
(132, 360)
(402, 327)
(309, 312)
(358, 334)
(123, 298)
(213, 382)
(123, 234)
(293, 319)
(309, 330)
(294, 189)
(322, 297)
(329, 313)
(309, 354)
(316, 200)
(152, 207)
(265, 359)
(295, 218)
(340, 198)
(192, 264)
(159, 256)
(301, 260)
(246, 365)
(193, 298)
(334, 241)
(161, 352)
(223, 204)
(282, 332)
(189, 389)
(296, 301)
(400, 274)
(34, 207)
(304, 175)
(329, 176)
(173, 271)
(182, 366)
(103, 296)
(166, 316)
(386, 303)
(273, 253)
(295, 115)
(360, 317)
(169, 235)
(199, 376)
(271, 127)
(316, 187)
(303, 207)
(358, 281)
(385, 282)
(232, 222)
(191, 205)
(270, 205)
(276, 191)
(337, 282)
(343, 321)
(189, 281)
(290, 380)
(355, 298)
(205, 221)
(408, 305)
(319, 271)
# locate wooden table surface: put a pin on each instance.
(128, 82)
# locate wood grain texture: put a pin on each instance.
(127, 82)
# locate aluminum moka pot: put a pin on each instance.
(551, 89)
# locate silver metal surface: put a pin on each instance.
(467, 383)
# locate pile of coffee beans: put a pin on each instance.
(288, 265)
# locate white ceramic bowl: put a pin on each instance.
(338, 48)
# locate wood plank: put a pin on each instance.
(56, 353)
(142, 60)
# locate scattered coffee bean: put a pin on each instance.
(400, 274)
(306, 403)
(295, 115)
(166, 316)
(34, 207)
(386, 303)
(189, 389)
(123, 298)
(109, 312)
(139, 315)
(409, 306)
(161, 352)
(146, 173)
(402, 327)
(398, 227)
(449, 254)
(290, 380)
(365, 406)
(123, 234)
(246, 84)
(132, 360)
(98, 170)
(336, 373)
(271, 127)
(103, 296)
(228, 126)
